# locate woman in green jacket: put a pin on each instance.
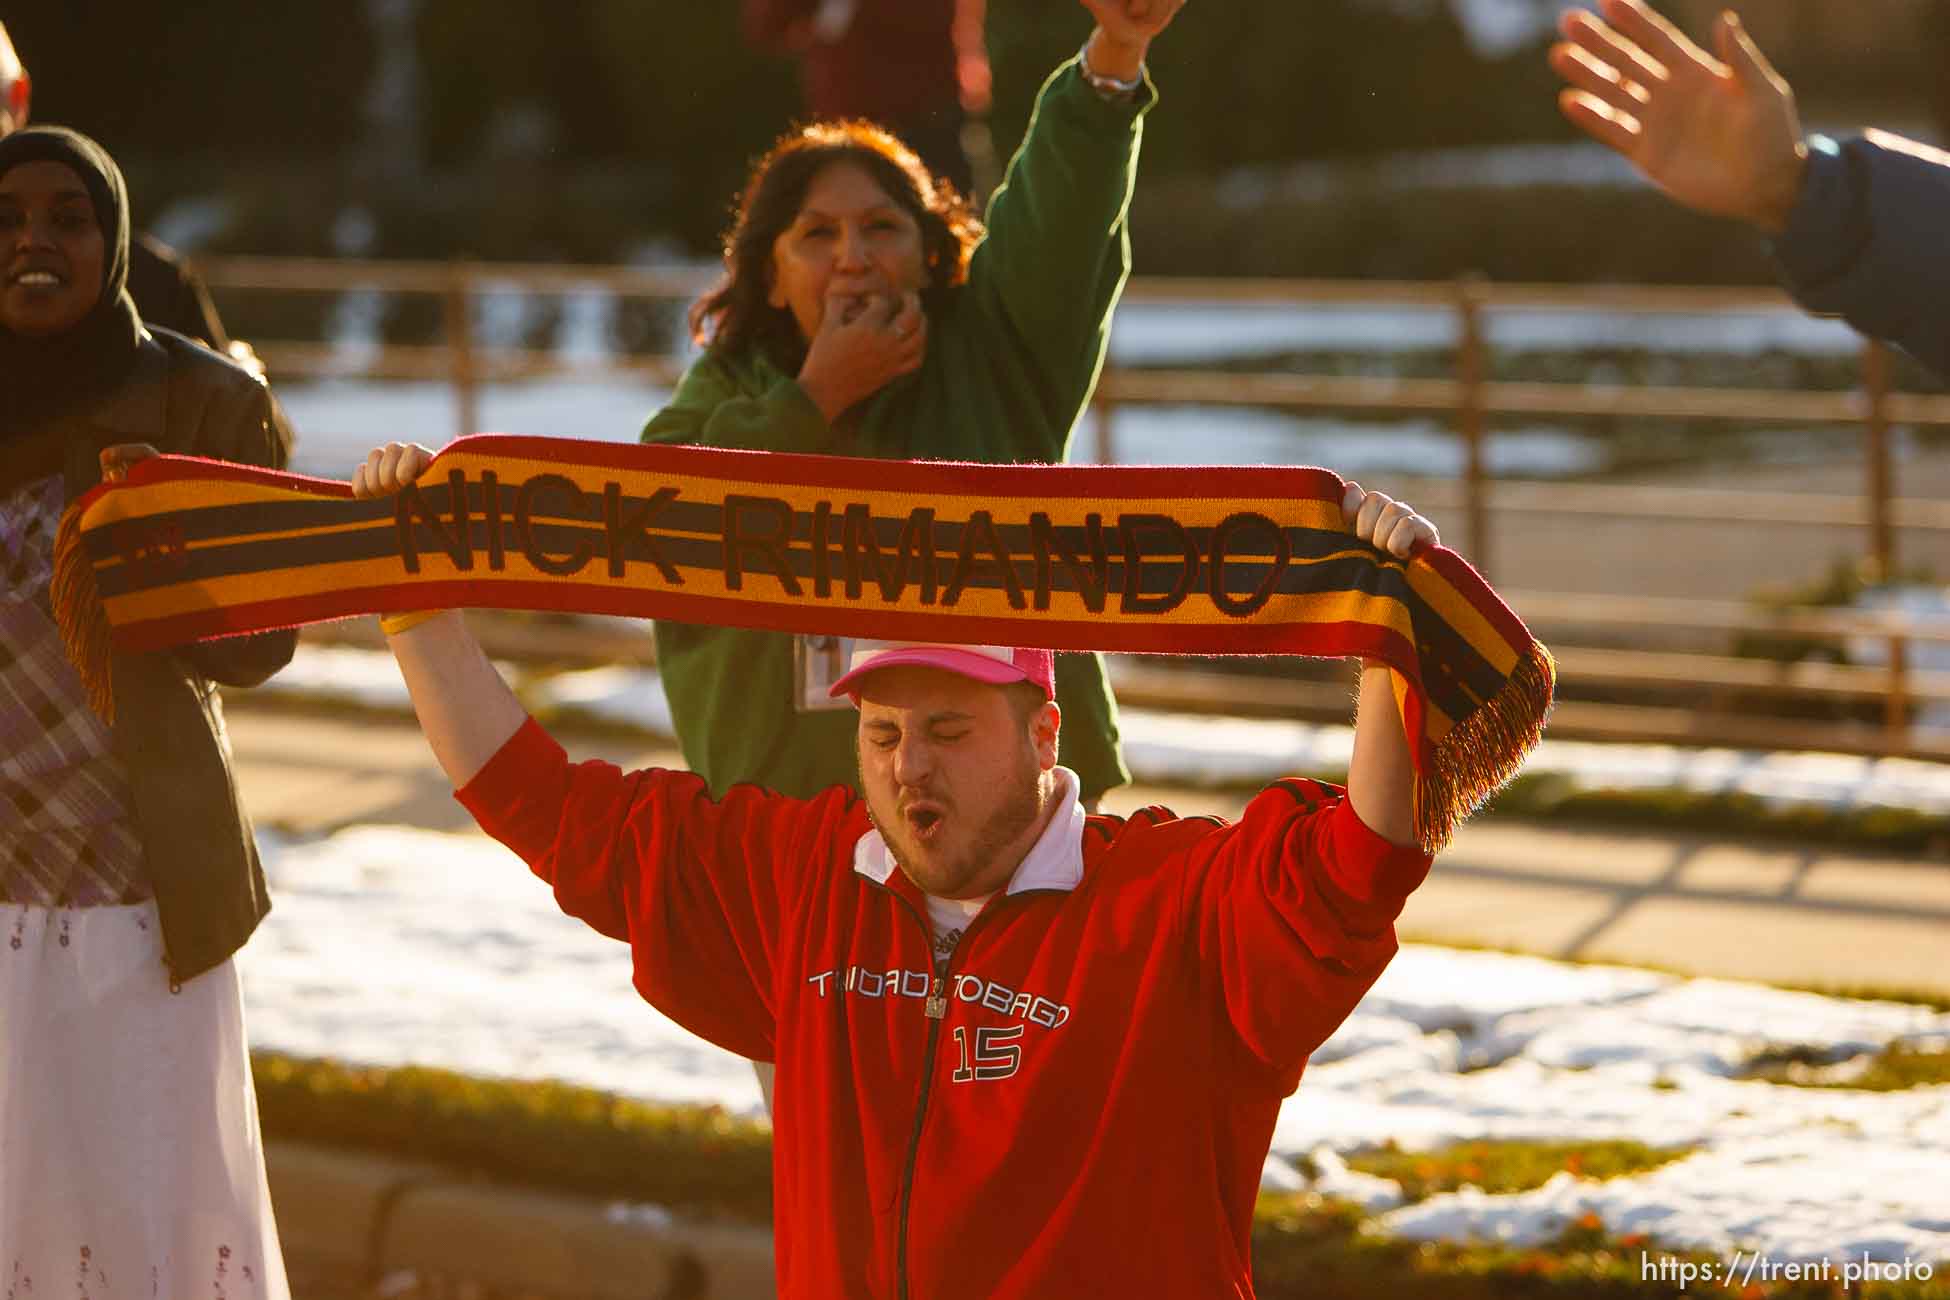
(864, 312)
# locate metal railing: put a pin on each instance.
(1468, 397)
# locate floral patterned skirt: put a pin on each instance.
(130, 1162)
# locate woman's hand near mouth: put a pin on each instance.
(860, 349)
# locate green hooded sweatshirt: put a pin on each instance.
(1013, 357)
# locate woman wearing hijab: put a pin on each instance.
(865, 312)
(130, 1161)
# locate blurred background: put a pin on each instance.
(615, 130)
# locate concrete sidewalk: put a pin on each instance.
(1770, 911)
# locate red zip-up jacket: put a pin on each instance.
(1080, 1107)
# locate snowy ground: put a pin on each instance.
(392, 946)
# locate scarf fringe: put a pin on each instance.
(79, 612)
(1480, 755)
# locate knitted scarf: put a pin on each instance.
(1158, 560)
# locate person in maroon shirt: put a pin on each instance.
(917, 67)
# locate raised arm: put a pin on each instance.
(1381, 774)
(1058, 250)
(1865, 241)
(646, 857)
(1291, 912)
(466, 711)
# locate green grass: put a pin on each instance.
(1316, 1249)
(539, 1134)
(1503, 1167)
(1894, 1069)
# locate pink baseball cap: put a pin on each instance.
(994, 664)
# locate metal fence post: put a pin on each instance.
(1875, 383)
(1470, 292)
(1882, 534)
(1895, 714)
(459, 313)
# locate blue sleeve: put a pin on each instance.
(1866, 241)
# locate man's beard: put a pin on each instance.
(1022, 804)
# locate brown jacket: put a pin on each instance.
(169, 728)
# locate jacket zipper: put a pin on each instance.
(937, 1011)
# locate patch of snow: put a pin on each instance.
(1930, 606)
(628, 696)
(1333, 1178)
(1156, 333)
(1825, 1194)
(1173, 435)
(339, 421)
(368, 678)
(395, 946)
(587, 325)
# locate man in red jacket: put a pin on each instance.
(1021, 1051)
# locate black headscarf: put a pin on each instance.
(43, 377)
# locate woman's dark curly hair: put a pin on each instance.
(735, 317)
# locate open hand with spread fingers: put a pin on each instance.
(1387, 524)
(388, 469)
(1720, 135)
